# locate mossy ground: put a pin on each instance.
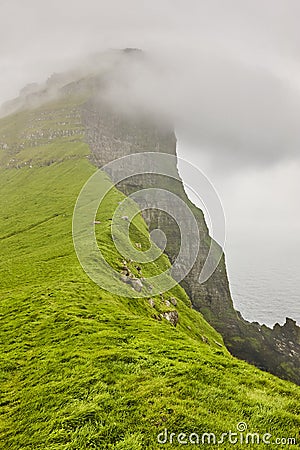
(82, 368)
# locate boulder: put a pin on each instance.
(173, 301)
(171, 316)
(136, 283)
(151, 302)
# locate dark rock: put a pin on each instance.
(171, 316)
(173, 301)
(151, 302)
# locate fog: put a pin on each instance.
(225, 73)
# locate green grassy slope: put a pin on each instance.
(81, 368)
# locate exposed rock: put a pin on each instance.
(151, 302)
(124, 278)
(167, 303)
(173, 301)
(136, 283)
(289, 331)
(171, 316)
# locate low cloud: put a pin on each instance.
(225, 73)
(239, 114)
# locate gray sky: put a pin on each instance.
(226, 72)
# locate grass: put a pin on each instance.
(82, 368)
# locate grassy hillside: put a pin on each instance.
(81, 368)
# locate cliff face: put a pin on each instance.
(98, 369)
(111, 136)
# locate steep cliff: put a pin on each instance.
(112, 135)
(82, 367)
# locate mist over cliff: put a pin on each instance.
(127, 322)
(226, 77)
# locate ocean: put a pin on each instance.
(265, 282)
(262, 252)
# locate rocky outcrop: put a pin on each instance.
(111, 136)
(37, 129)
(171, 316)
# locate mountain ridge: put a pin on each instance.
(80, 367)
(111, 135)
(277, 350)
